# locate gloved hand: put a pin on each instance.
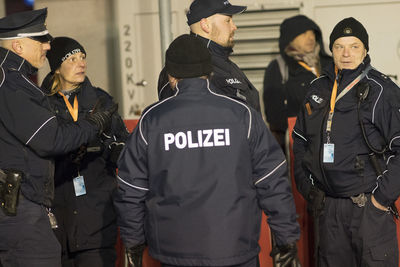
(135, 255)
(102, 119)
(115, 150)
(315, 201)
(285, 256)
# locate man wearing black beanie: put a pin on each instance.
(197, 172)
(346, 140)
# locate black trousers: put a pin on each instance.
(101, 257)
(27, 238)
(351, 236)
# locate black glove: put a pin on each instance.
(115, 150)
(315, 201)
(135, 255)
(102, 119)
(285, 256)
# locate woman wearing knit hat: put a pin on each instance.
(286, 79)
(346, 140)
(84, 180)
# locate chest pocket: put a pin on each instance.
(232, 87)
(316, 108)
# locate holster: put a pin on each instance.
(10, 184)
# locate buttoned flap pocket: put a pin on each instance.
(384, 251)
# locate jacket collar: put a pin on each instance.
(192, 85)
(215, 48)
(345, 74)
(10, 60)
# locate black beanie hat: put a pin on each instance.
(292, 27)
(187, 56)
(349, 27)
(60, 49)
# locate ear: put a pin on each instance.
(17, 46)
(205, 25)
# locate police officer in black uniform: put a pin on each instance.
(211, 21)
(197, 172)
(346, 146)
(30, 135)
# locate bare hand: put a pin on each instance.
(377, 205)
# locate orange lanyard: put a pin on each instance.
(312, 69)
(72, 110)
(334, 91)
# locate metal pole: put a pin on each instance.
(165, 26)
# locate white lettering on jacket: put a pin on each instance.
(203, 138)
(67, 55)
(233, 81)
(317, 99)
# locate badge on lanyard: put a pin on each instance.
(329, 153)
(79, 186)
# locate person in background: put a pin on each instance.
(346, 147)
(197, 172)
(211, 21)
(85, 180)
(287, 78)
(30, 136)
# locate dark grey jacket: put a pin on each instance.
(195, 176)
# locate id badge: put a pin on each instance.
(329, 153)
(79, 186)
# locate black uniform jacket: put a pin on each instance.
(228, 79)
(194, 177)
(351, 173)
(87, 221)
(30, 134)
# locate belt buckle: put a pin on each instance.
(359, 200)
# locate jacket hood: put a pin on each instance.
(294, 26)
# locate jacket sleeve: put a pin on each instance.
(388, 122)
(273, 98)
(272, 184)
(163, 88)
(27, 117)
(300, 144)
(129, 200)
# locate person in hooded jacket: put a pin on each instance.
(346, 147)
(85, 179)
(286, 79)
(211, 21)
